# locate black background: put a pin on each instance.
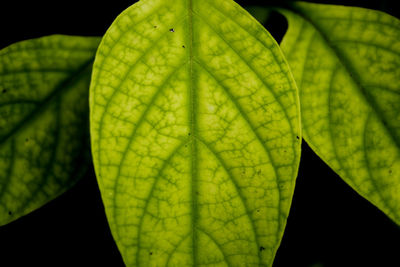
(329, 223)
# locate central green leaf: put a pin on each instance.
(195, 135)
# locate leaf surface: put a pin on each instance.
(195, 135)
(44, 85)
(346, 62)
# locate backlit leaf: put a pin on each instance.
(346, 62)
(44, 85)
(195, 135)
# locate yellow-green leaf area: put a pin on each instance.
(195, 135)
(44, 85)
(346, 62)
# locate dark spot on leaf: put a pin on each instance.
(10, 213)
(284, 151)
(183, 46)
(258, 210)
(27, 140)
(172, 30)
(189, 134)
(4, 91)
(155, 26)
(151, 253)
(390, 171)
(297, 137)
(262, 248)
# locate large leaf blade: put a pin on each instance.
(196, 147)
(43, 124)
(346, 63)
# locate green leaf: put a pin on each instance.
(259, 13)
(346, 62)
(195, 134)
(44, 148)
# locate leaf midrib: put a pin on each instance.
(192, 120)
(195, 138)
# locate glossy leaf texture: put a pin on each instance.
(195, 135)
(346, 62)
(44, 148)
